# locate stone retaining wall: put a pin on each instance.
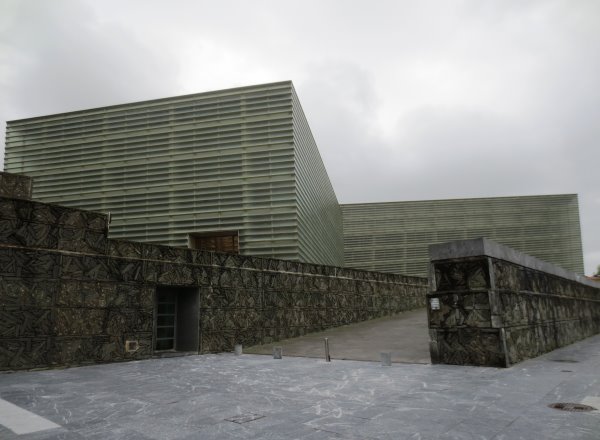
(71, 296)
(498, 307)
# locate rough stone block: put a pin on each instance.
(123, 248)
(166, 253)
(126, 269)
(15, 185)
(470, 347)
(82, 240)
(18, 322)
(174, 274)
(215, 342)
(79, 322)
(472, 274)
(23, 353)
(77, 219)
(27, 292)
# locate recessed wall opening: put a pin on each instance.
(217, 241)
(176, 323)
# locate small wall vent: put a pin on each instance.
(131, 346)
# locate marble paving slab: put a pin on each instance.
(256, 397)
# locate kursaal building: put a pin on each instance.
(238, 170)
(234, 170)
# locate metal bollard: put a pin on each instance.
(277, 353)
(237, 349)
(386, 358)
(327, 357)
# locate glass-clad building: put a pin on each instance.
(235, 170)
(239, 171)
(394, 237)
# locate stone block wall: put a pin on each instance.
(15, 185)
(498, 307)
(71, 296)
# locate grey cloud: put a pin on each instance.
(64, 60)
(68, 61)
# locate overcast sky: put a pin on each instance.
(407, 100)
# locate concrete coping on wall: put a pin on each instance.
(485, 247)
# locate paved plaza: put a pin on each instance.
(257, 397)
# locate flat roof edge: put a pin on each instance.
(397, 202)
(154, 100)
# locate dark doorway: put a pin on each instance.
(176, 324)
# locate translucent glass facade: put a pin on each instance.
(394, 237)
(232, 160)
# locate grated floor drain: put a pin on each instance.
(244, 418)
(576, 407)
(569, 361)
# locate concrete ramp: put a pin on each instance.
(405, 335)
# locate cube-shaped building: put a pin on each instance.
(233, 170)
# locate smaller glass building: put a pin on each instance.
(394, 237)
